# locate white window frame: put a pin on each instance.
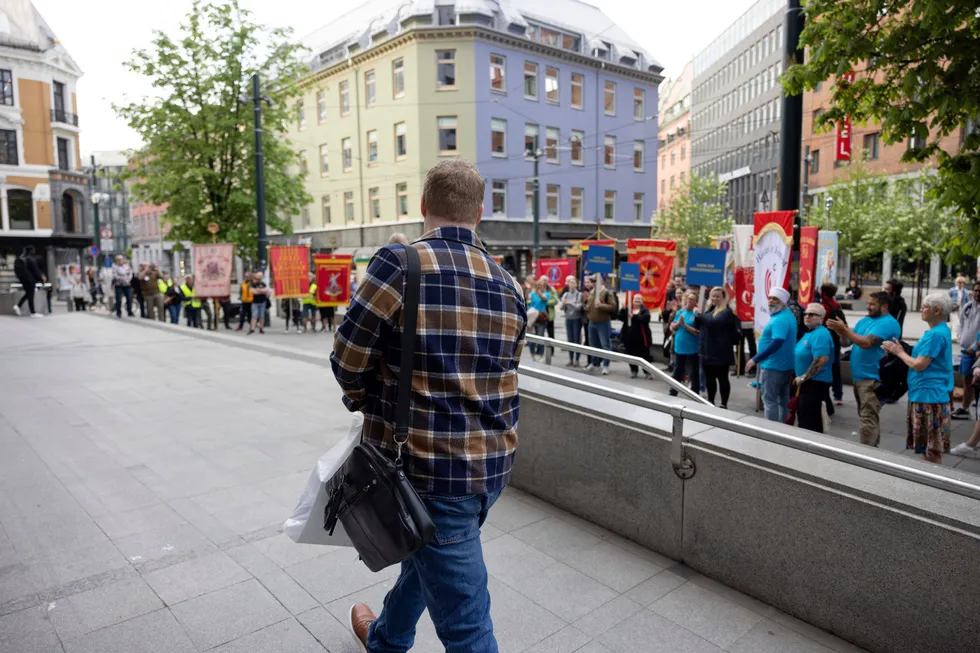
(578, 198)
(448, 61)
(370, 89)
(552, 192)
(548, 77)
(501, 68)
(372, 147)
(638, 200)
(531, 127)
(639, 101)
(607, 142)
(606, 203)
(325, 213)
(321, 107)
(401, 199)
(347, 155)
(579, 83)
(324, 160)
(455, 128)
(533, 74)
(498, 125)
(578, 136)
(609, 89)
(403, 128)
(548, 148)
(639, 147)
(350, 213)
(374, 201)
(398, 78)
(498, 188)
(343, 88)
(529, 199)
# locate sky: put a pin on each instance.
(100, 36)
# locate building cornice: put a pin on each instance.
(476, 32)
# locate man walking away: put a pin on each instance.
(28, 273)
(245, 316)
(463, 424)
(897, 306)
(969, 326)
(122, 281)
(137, 285)
(776, 357)
(867, 336)
(150, 284)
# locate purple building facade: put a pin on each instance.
(577, 186)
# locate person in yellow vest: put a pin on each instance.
(171, 297)
(192, 305)
(309, 307)
(245, 315)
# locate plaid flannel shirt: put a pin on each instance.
(471, 325)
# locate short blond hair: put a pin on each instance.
(398, 238)
(454, 191)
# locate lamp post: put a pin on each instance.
(536, 212)
(97, 198)
(829, 204)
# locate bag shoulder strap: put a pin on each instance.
(410, 311)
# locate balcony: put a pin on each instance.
(58, 115)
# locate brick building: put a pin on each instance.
(675, 135)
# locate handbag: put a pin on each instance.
(381, 512)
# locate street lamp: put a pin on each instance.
(97, 198)
(829, 204)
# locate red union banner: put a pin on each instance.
(656, 259)
(808, 263)
(290, 270)
(744, 273)
(842, 141)
(332, 279)
(772, 244)
(556, 269)
(212, 269)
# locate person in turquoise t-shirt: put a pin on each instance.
(775, 356)
(867, 336)
(930, 380)
(813, 375)
(686, 344)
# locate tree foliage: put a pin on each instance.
(198, 134)
(696, 213)
(860, 205)
(916, 75)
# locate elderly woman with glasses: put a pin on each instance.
(930, 380)
(810, 364)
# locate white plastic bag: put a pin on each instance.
(305, 526)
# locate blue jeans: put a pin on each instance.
(600, 336)
(174, 310)
(120, 291)
(193, 315)
(775, 393)
(573, 331)
(540, 329)
(449, 578)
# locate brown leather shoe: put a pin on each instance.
(361, 619)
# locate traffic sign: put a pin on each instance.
(93, 250)
(106, 233)
(213, 228)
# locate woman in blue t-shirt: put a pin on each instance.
(930, 380)
(686, 344)
(813, 375)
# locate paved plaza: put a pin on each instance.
(145, 477)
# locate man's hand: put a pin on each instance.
(798, 381)
(893, 347)
(749, 366)
(837, 325)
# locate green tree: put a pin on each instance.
(860, 204)
(696, 213)
(199, 142)
(916, 76)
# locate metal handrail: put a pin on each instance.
(616, 356)
(680, 413)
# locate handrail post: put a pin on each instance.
(683, 466)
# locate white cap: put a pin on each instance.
(781, 294)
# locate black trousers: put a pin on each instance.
(812, 394)
(748, 337)
(683, 363)
(639, 352)
(717, 378)
(28, 295)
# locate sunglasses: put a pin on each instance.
(812, 315)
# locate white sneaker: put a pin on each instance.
(605, 371)
(16, 309)
(589, 367)
(965, 450)
(36, 315)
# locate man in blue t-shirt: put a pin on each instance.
(775, 356)
(867, 336)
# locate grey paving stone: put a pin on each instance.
(229, 613)
(511, 560)
(287, 635)
(284, 552)
(245, 519)
(489, 532)
(71, 564)
(607, 616)
(655, 587)
(203, 521)
(555, 537)
(509, 514)
(594, 647)
(814, 633)
(716, 619)
(640, 551)
(151, 633)
(27, 630)
(239, 496)
(612, 566)
(733, 595)
(161, 542)
(566, 640)
(273, 578)
(336, 574)
(331, 634)
(192, 578)
(101, 607)
(118, 525)
(426, 640)
(648, 632)
(767, 636)
(518, 622)
(568, 593)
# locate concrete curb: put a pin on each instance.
(254, 344)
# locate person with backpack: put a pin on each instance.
(28, 273)
(867, 337)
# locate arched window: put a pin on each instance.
(20, 209)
